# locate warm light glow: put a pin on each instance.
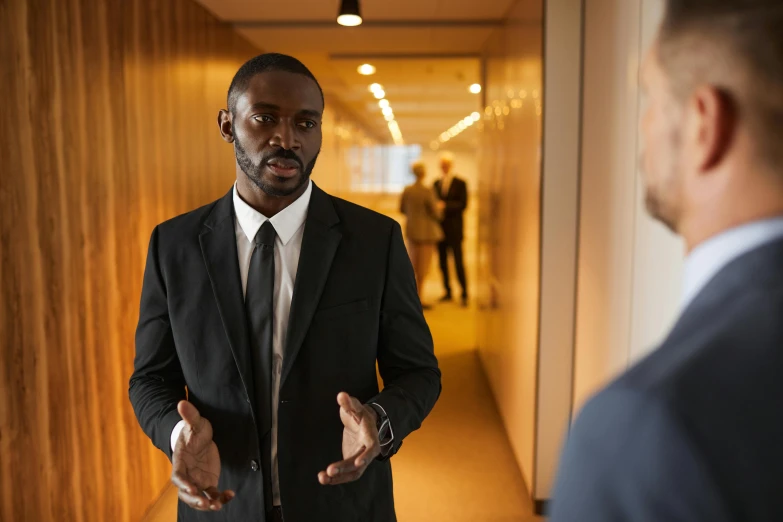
(475, 88)
(523, 94)
(488, 111)
(462, 125)
(349, 20)
(434, 145)
(386, 111)
(383, 104)
(380, 94)
(506, 111)
(375, 87)
(366, 69)
(476, 116)
(389, 117)
(510, 93)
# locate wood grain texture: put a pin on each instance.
(108, 128)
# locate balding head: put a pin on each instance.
(736, 46)
(713, 122)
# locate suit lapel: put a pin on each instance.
(219, 248)
(319, 246)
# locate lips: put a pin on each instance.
(284, 163)
(283, 167)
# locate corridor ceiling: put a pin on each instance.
(426, 53)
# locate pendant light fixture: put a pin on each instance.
(349, 14)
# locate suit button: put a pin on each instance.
(254, 465)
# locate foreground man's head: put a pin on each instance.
(713, 124)
(275, 106)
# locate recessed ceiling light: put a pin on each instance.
(389, 117)
(376, 87)
(386, 111)
(366, 69)
(383, 104)
(475, 88)
(380, 94)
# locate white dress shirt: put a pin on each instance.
(706, 260)
(289, 226)
(445, 184)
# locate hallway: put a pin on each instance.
(459, 467)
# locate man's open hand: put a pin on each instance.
(360, 442)
(196, 463)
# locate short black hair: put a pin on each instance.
(264, 63)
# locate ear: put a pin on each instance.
(226, 128)
(714, 120)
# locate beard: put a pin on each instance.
(663, 195)
(255, 171)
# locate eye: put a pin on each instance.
(264, 118)
(308, 124)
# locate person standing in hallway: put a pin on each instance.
(269, 304)
(453, 192)
(423, 213)
(693, 432)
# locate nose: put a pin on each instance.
(285, 136)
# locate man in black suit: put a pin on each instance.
(453, 193)
(268, 305)
(695, 431)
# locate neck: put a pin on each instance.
(262, 202)
(736, 207)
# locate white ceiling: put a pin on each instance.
(426, 53)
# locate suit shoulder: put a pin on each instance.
(187, 223)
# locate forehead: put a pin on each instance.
(289, 91)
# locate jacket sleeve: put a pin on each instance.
(157, 383)
(432, 207)
(406, 357)
(628, 460)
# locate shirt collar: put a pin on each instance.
(706, 260)
(286, 222)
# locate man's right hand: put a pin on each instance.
(196, 463)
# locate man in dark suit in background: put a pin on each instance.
(268, 305)
(695, 431)
(453, 192)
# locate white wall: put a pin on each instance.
(559, 217)
(629, 267)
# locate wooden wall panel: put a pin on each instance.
(107, 128)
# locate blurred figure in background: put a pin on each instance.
(694, 431)
(423, 213)
(453, 191)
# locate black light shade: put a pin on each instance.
(349, 14)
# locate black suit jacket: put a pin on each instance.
(456, 202)
(354, 303)
(695, 431)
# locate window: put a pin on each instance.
(381, 168)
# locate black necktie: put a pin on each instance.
(259, 303)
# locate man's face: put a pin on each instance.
(445, 166)
(661, 158)
(277, 131)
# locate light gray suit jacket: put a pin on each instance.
(420, 206)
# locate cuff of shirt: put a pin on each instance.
(175, 433)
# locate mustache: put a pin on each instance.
(282, 154)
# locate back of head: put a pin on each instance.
(265, 63)
(737, 46)
(419, 170)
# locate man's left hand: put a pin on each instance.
(360, 442)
